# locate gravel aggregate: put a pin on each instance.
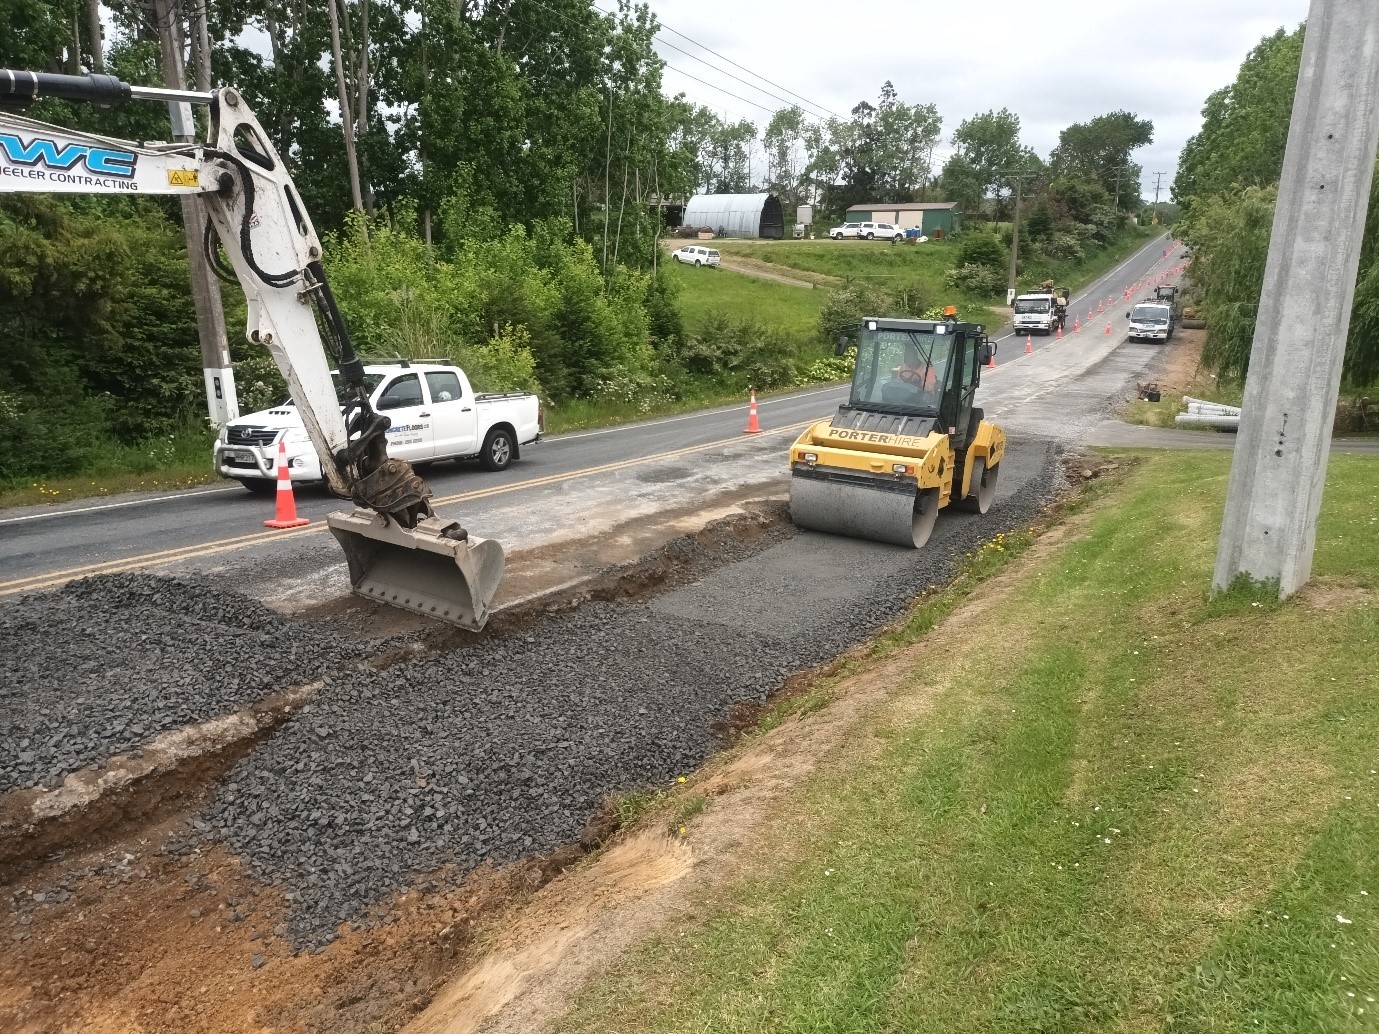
(507, 749)
(104, 664)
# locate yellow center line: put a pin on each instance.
(33, 583)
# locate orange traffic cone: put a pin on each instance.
(1060, 332)
(1077, 324)
(752, 426)
(991, 363)
(1100, 307)
(287, 506)
(1108, 327)
(1090, 314)
(1029, 343)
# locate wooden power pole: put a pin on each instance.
(221, 402)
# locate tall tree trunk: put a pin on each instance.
(346, 118)
(362, 114)
(622, 204)
(74, 52)
(93, 29)
(607, 162)
(201, 44)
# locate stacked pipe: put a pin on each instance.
(1213, 414)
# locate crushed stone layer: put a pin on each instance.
(105, 664)
(506, 750)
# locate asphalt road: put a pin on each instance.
(41, 546)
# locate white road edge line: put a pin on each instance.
(114, 506)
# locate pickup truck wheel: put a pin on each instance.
(498, 449)
(259, 486)
(696, 263)
(871, 236)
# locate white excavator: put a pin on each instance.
(399, 551)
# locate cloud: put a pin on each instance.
(1159, 60)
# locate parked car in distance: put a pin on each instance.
(695, 255)
(868, 232)
(1151, 322)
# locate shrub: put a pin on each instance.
(844, 308)
(982, 281)
(743, 354)
(830, 368)
(1063, 247)
(982, 249)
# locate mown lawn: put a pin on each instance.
(1113, 803)
(704, 292)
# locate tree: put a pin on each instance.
(906, 135)
(786, 160)
(989, 145)
(1244, 125)
(1100, 149)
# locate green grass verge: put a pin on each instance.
(177, 461)
(794, 311)
(1116, 804)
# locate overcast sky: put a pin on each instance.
(1157, 58)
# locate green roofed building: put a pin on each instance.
(929, 217)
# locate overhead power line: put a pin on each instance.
(738, 78)
(827, 111)
(819, 110)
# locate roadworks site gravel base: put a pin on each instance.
(428, 781)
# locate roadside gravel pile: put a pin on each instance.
(505, 750)
(104, 664)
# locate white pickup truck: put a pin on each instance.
(435, 413)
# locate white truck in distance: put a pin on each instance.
(1034, 314)
(435, 416)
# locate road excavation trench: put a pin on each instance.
(457, 752)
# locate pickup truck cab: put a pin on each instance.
(435, 415)
(1150, 321)
(1035, 314)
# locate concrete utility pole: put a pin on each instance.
(1158, 182)
(1019, 178)
(221, 402)
(1119, 173)
(1275, 491)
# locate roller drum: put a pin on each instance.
(879, 509)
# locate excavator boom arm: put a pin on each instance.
(254, 213)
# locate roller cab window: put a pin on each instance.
(900, 371)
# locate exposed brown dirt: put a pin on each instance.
(173, 773)
(148, 935)
(1328, 594)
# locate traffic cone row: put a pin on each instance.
(287, 507)
(753, 426)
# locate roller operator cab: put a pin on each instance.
(907, 443)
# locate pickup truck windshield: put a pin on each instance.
(371, 381)
(900, 369)
(1149, 314)
(1028, 305)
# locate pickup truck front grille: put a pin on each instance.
(251, 435)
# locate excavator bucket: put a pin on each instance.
(419, 569)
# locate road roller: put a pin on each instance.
(908, 442)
